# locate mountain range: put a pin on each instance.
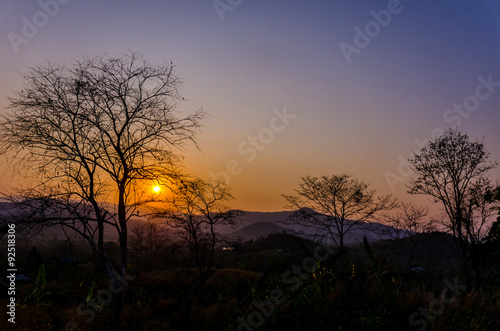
(252, 225)
(249, 226)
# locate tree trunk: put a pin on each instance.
(123, 236)
(108, 266)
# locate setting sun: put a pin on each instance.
(156, 189)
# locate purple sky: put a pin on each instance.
(356, 102)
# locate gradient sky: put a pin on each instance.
(355, 118)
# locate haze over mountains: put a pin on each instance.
(250, 226)
(260, 224)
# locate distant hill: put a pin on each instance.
(56, 232)
(5, 207)
(259, 229)
(272, 222)
(250, 225)
(251, 217)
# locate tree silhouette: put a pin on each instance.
(89, 137)
(407, 227)
(151, 244)
(195, 209)
(334, 205)
(453, 170)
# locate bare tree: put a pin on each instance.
(149, 238)
(333, 206)
(150, 242)
(195, 209)
(89, 137)
(407, 227)
(453, 170)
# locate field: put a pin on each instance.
(277, 282)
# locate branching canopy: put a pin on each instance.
(333, 205)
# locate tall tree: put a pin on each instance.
(331, 206)
(453, 170)
(89, 137)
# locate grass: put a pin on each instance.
(355, 293)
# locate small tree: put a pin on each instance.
(333, 206)
(409, 224)
(149, 242)
(452, 169)
(195, 209)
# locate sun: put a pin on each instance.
(156, 189)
